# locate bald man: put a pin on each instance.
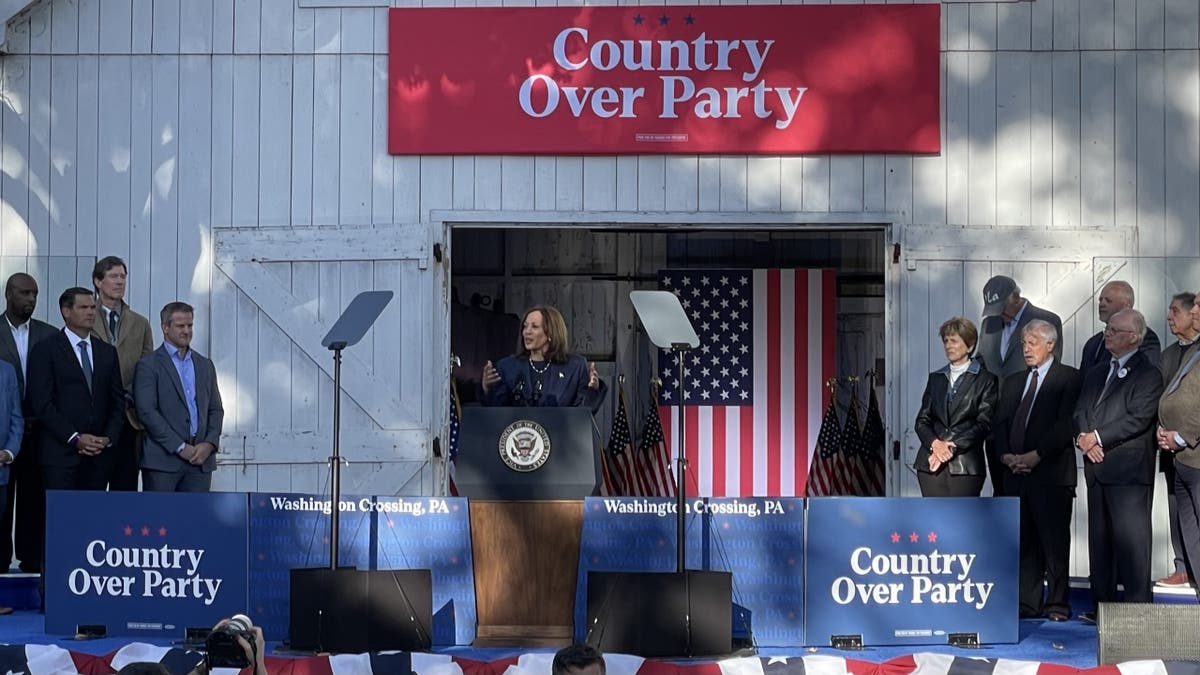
(26, 495)
(1114, 297)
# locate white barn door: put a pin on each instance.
(275, 295)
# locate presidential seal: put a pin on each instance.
(524, 446)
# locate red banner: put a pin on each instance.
(675, 79)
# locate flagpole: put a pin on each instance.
(681, 461)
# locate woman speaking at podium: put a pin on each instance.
(542, 372)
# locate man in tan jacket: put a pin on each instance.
(120, 326)
(1179, 433)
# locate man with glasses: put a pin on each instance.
(1115, 424)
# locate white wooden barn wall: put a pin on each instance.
(143, 128)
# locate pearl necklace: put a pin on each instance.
(542, 370)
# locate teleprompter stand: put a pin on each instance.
(680, 613)
(339, 609)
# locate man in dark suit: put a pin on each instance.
(26, 495)
(1005, 315)
(175, 389)
(129, 332)
(1114, 297)
(1115, 418)
(1032, 436)
(75, 391)
(1179, 319)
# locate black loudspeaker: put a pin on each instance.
(348, 610)
(660, 614)
(1128, 631)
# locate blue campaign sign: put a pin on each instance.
(910, 571)
(144, 564)
(433, 533)
(759, 540)
(292, 531)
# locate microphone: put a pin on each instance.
(537, 392)
(519, 393)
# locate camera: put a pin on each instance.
(222, 648)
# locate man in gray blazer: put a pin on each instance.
(1005, 315)
(175, 390)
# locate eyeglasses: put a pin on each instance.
(1114, 331)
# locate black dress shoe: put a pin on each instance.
(1057, 616)
(6, 610)
(1088, 617)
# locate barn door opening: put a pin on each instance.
(587, 272)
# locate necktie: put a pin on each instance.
(87, 363)
(112, 326)
(1016, 435)
(1112, 370)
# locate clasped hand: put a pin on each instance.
(1021, 464)
(1090, 446)
(940, 452)
(196, 454)
(1166, 440)
(90, 445)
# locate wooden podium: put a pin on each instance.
(526, 525)
(526, 566)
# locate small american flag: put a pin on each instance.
(853, 463)
(620, 450)
(826, 478)
(654, 457)
(753, 390)
(873, 440)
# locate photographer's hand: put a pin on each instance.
(255, 653)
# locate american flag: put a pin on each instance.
(827, 477)
(753, 390)
(654, 457)
(620, 450)
(873, 440)
(452, 437)
(853, 462)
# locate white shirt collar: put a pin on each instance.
(1044, 368)
(75, 337)
(1125, 359)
